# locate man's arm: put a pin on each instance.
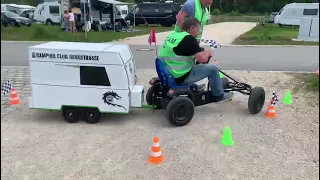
(188, 9)
(190, 47)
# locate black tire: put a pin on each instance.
(152, 93)
(256, 100)
(71, 114)
(186, 108)
(49, 22)
(92, 115)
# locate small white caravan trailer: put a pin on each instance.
(48, 12)
(291, 14)
(86, 77)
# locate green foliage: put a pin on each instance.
(234, 13)
(215, 11)
(313, 83)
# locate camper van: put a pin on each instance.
(48, 12)
(291, 14)
(98, 10)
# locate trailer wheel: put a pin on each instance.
(71, 114)
(92, 115)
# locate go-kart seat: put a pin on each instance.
(165, 77)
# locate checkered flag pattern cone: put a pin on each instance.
(212, 43)
(271, 111)
(6, 87)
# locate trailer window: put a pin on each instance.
(94, 76)
(310, 12)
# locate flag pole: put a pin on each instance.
(155, 45)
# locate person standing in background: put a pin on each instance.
(66, 21)
(72, 22)
(194, 8)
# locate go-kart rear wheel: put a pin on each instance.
(256, 100)
(180, 111)
(152, 94)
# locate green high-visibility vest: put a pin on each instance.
(201, 16)
(176, 65)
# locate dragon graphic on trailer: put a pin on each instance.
(108, 98)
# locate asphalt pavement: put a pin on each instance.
(253, 58)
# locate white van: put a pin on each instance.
(48, 12)
(291, 14)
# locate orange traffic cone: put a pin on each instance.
(317, 73)
(271, 111)
(156, 156)
(14, 98)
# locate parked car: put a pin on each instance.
(12, 19)
(154, 13)
(27, 13)
(272, 16)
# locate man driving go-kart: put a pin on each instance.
(178, 53)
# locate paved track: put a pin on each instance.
(258, 58)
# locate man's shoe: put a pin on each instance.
(226, 97)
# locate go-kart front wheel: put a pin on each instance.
(180, 111)
(256, 100)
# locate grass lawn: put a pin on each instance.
(39, 32)
(271, 35)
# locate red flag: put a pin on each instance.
(152, 37)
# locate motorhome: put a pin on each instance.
(291, 14)
(99, 10)
(48, 12)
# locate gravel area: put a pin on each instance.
(40, 145)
